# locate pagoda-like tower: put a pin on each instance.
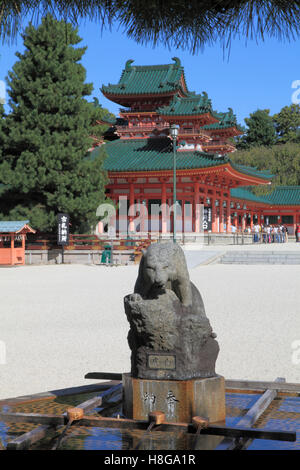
(156, 96)
(139, 161)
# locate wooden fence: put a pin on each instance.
(85, 242)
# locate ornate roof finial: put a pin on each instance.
(177, 61)
(128, 65)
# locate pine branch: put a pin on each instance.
(181, 24)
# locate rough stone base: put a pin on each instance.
(180, 400)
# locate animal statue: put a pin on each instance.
(167, 316)
(163, 266)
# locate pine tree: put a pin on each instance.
(1, 129)
(261, 130)
(175, 23)
(48, 133)
(2, 186)
(287, 124)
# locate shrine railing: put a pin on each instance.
(143, 128)
(85, 242)
(217, 143)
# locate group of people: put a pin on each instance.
(270, 233)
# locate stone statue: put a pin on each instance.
(170, 336)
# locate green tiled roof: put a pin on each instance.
(252, 171)
(156, 154)
(226, 120)
(147, 79)
(190, 105)
(109, 120)
(247, 194)
(152, 155)
(287, 195)
(282, 195)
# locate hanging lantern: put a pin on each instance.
(232, 205)
(207, 200)
(216, 203)
(235, 214)
(244, 207)
(238, 206)
(224, 204)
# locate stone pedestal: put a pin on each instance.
(180, 400)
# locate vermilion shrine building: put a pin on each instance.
(140, 160)
(12, 241)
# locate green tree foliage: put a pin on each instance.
(48, 133)
(1, 128)
(190, 24)
(260, 131)
(104, 120)
(282, 160)
(287, 124)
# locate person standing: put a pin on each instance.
(286, 233)
(269, 234)
(275, 233)
(297, 233)
(256, 233)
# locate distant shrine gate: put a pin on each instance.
(140, 160)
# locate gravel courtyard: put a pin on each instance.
(60, 322)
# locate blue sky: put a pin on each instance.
(254, 76)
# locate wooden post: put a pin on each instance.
(243, 223)
(251, 219)
(196, 211)
(213, 213)
(23, 249)
(221, 215)
(12, 249)
(26, 440)
(251, 417)
(228, 221)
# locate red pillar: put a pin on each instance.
(221, 215)
(213, 213)
(196, 211)
(243, 222)
(236, 221)
(251, 219)
(12, 249)
(228, 221)
(23, 249)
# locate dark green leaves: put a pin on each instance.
(176, 23)
(47, 134)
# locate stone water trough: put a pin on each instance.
(173, 398)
